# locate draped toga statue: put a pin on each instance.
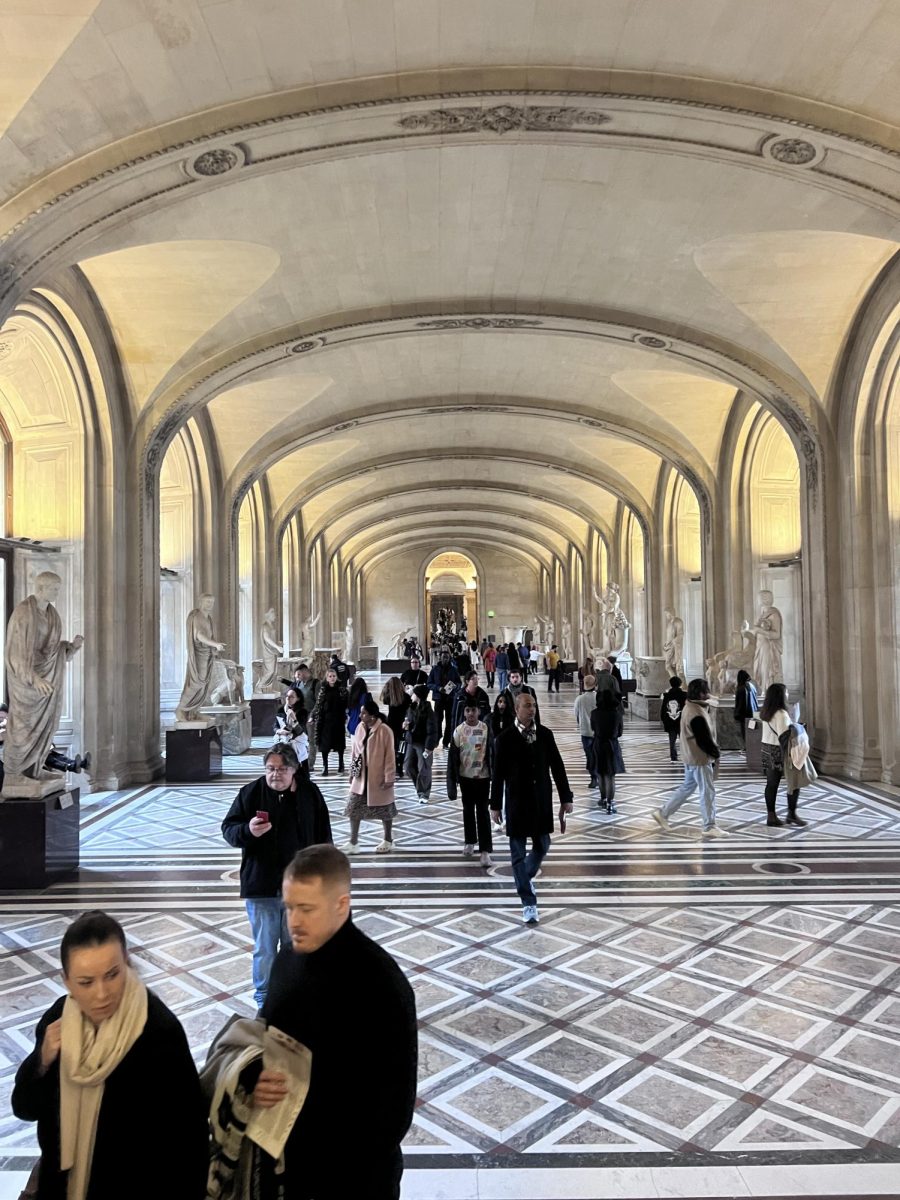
(36, 657)
(202, 649)
(271, 652)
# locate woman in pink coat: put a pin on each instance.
(373, 771)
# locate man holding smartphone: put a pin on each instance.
(270, 820)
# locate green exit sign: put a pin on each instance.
(490, 612)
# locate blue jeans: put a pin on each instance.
(502, 680)
(269, 926)
(526, 866)
(695, 778)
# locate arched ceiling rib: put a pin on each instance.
(528, 549)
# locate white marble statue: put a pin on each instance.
(349, 641)
(396, 646)
(36, 658)
(567, 651)
(673, 644)
(549, 626)
(537, 625)
(271, 652)
(587, 631)
(722, 668)
(614, 624)
(769, 630)
(307, 637)
(202, 649)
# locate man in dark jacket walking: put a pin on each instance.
(442, 683)
(672, 702)
(526, 755)
(329, 979)
(269, 821)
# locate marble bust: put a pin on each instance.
(769, 629)
(36, 658)
(202, 649)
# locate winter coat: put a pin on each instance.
(606, 724)
(424, 729)
(672, 702)
(523, 770)
(379, 764)
(330, 715)
(299, 819)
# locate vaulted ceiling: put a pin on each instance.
(472, 260)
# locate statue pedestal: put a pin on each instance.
(262, 714)
(193, 755)
(569, 669)
(321, 657)
(652, 677)
(754, 747)
(625, 663)
(234, 724)
(20, 787)
(394, 666)
(645, 706)
(726, 730)
(367, 658)
(39, 839)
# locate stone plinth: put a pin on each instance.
(726, 730)
(394, 666)
(753, 731)
(645, 706)
(569, 669)
(286, 666)
(652, 676)
(625, 663)
(193, 755)
(262, 714)
(39, 839)
(21, 787)
(367, 658)
(234, 724)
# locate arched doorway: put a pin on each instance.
(451, 596)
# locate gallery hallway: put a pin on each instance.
(688, 1019)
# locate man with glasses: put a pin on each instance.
(270, 820)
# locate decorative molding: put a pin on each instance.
(502, 118)
(218, 161)
(651, 342)
(309, 344)
(480, 323)
(6, 348)
(794, 151)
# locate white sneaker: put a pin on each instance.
(384, 848)
(661, 820)
(530, 914)
(713, 832)
(349, 847)
(468, 849)
(486, 860)
(423, 799)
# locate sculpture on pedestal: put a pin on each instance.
(587, 631)
(613, 622)
(722, 668)
(271, 652)
(767, 667)
(567, 651)
(536, 630)
(673, 644)
(36, 658)
(307, 638)
(349, 641)
(549, 630)
(202, 649)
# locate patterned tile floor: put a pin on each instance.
(683, 1007)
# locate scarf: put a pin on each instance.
(87, 1059)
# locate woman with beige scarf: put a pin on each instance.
(111, 1082)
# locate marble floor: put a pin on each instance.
(689, 1019)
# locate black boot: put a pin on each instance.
(792, 818)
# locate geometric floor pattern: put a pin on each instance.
(734, 1004)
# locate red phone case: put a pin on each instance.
(262, 816)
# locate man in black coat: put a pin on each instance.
(415, 675)
(346, 999)
(269, 821)
(525, 757)
(442, 683)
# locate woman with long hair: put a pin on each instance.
(776, 722)
(606, 722)
(111, 1083)
(359, 690)
(329, 717)
(394, 695)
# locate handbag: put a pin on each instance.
(356, 766)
